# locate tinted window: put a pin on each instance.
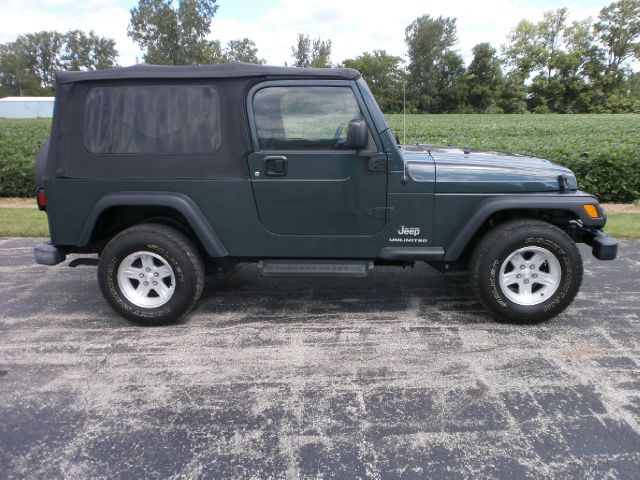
(151, 120)
(294, 118)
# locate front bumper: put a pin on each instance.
(47, 254)
(602, 246)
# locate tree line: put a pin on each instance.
(546, 66)
(27, 65)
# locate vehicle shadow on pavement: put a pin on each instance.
(387, 294)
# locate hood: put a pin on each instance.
(477, 171)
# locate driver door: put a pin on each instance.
(305, 179)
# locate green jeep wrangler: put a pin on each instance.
(162, 169)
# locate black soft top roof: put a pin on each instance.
(226, 70)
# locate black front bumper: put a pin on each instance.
(602, 246)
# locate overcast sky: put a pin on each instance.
(354, 26)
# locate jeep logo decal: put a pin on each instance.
(413, 231)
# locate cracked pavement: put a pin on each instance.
(398, 375)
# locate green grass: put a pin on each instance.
(29, 222)
(624, 225)
(554, 137)
(23, 222)
(22, 136)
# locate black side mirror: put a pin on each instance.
(357, 135)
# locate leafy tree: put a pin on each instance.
(513, 94)
(552, 26)
(384, 75)
(42, 52)
(311, 53)
(450, 78)
(301, 52)
(175, 36)
(244, 50)
(87, 51)
(526, 50)
(27, 65)
(546, 90)
(15, 77)
(428, 40)
(550, 33)
(580, 42)
(579, 67)
(619, 31)
(634, 92)
(634, 85)
(484, 78)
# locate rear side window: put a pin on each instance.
(152, 120)
(304, 118)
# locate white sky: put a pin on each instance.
(353, 26)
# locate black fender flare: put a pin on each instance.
(569, 202)
(178, 201)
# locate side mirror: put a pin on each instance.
(357, 135)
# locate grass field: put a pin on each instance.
(549, 136)
(555, 137)
(22, 137)
(23, 222)
(624, 225)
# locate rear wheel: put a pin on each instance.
(526, 271)
(151, 274)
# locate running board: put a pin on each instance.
(315, 268)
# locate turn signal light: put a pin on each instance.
(591, 210)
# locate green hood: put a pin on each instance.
(476, 171)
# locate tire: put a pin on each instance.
(151, 274)
(526, 271)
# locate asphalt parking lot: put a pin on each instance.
(399, 375)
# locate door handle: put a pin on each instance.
(275, 165)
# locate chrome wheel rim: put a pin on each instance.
(146, 279)
(530, 275)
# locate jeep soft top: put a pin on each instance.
(161, 169)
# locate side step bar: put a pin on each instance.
(315, 268)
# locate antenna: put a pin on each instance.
(404, 113)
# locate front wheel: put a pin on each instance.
(526, 271)
(151, 274)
